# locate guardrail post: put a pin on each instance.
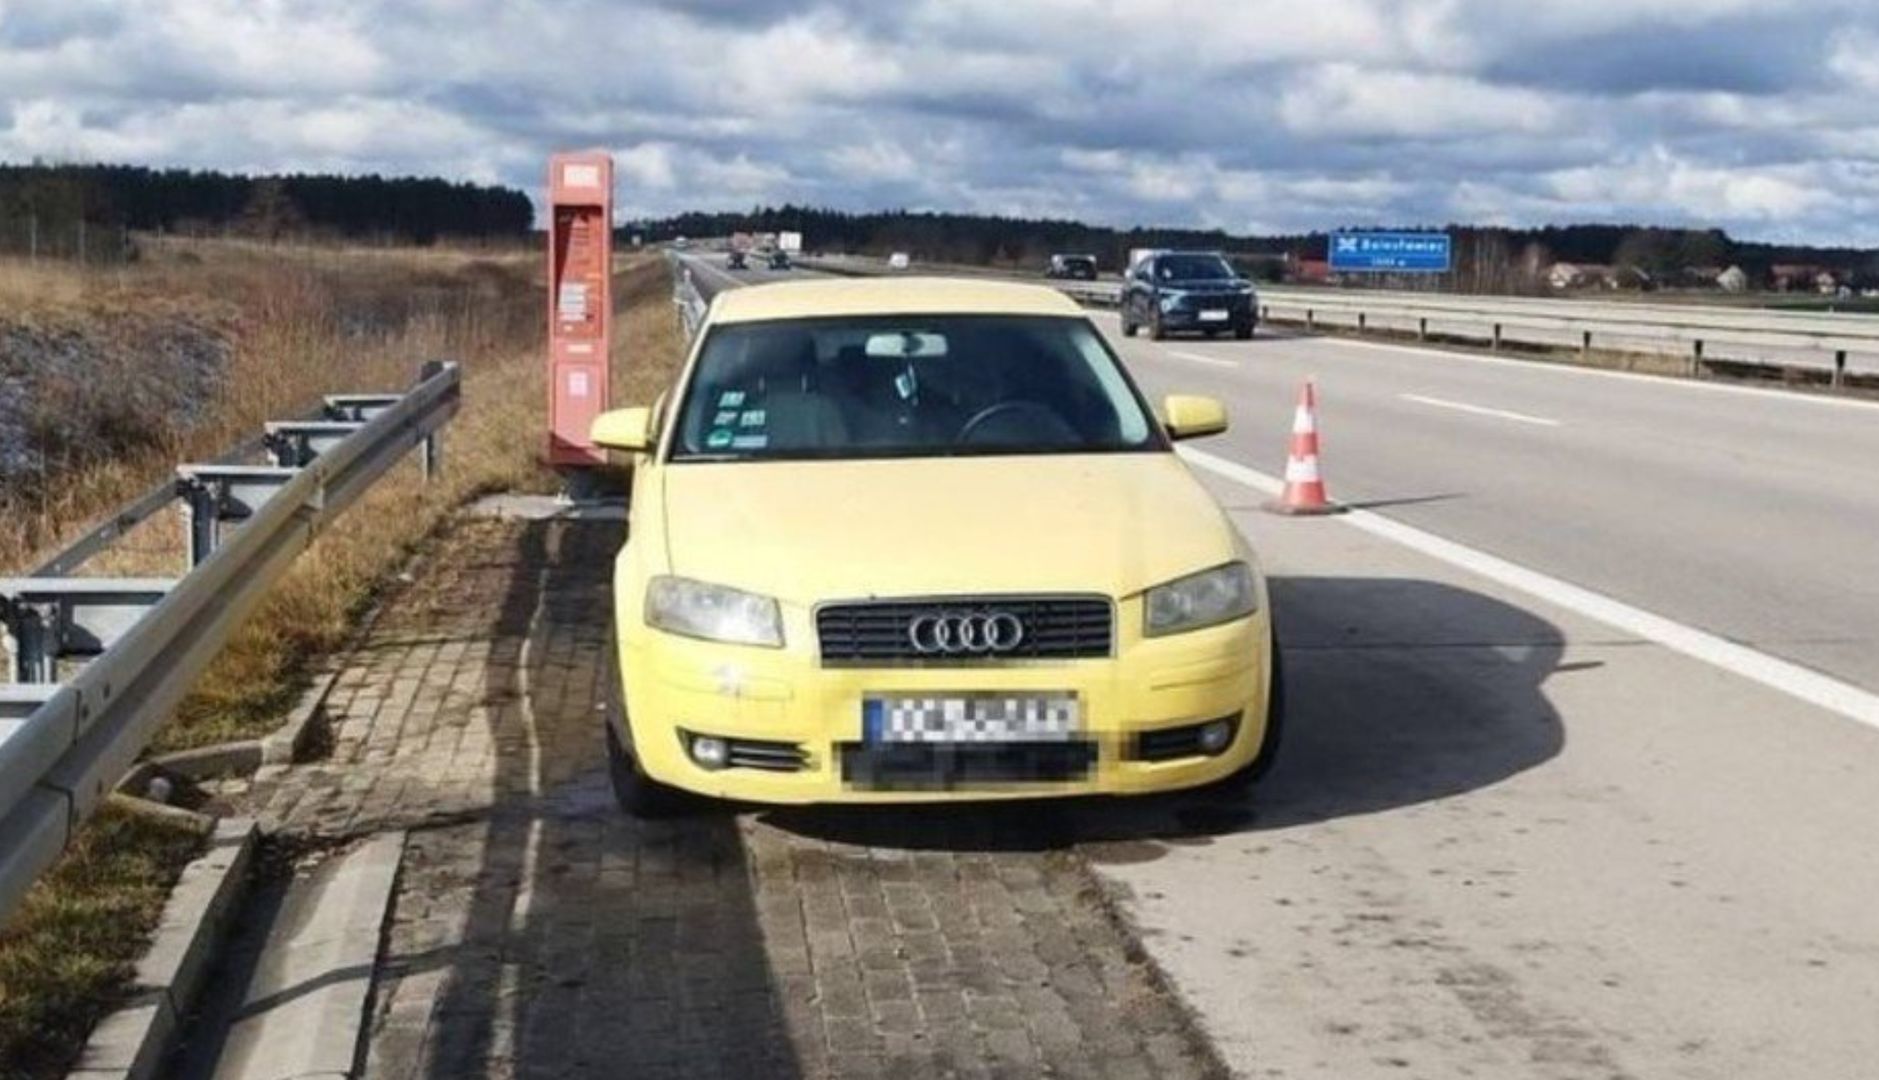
(33, 662)
(1265, 312)
(1310, 323)
(202, 505)
(431, 449)
(1839, 368)
(1696, 357)
(1585, 345)
(1422, 328)
(1361, 320)
(1496, 344)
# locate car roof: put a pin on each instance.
(888, 296)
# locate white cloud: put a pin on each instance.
(1750, 114)
(1347, 100)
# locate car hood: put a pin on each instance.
(812, 531)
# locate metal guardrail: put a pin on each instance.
(1833, 344)
(690, 302)
(143, 642)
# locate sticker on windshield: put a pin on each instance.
(751, 418)
(750, 442)
(718, 439)
(725, 418)
(730, 399)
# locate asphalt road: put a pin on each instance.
(1507, 838)
(1753, 515)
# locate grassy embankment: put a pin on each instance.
(243, 334)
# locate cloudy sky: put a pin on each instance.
(1761, 116)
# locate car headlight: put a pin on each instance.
(713, 612)
(1198, 600)
(1171, 298)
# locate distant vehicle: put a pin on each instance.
(1136, 255)
(779, 260)
(898, 261)
(789, 241)
(1072, 267)
(681, 243)
(1187, 290)
(736, 260)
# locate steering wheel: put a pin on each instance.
(984, 416)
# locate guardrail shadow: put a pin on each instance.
(1400, 692)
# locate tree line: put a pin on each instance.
(89, 210)
(1487, 259)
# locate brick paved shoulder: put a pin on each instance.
(539, 932)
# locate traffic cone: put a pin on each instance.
(1304, 484)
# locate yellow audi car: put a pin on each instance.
(921, 539)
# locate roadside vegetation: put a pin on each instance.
(274, 327)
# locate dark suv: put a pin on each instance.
(1187, 290)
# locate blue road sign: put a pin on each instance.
(1417, 252)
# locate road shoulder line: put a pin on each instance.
(1790, 678)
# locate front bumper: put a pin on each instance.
(1187, 314)
(789, 709)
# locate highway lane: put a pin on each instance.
(1750, 514)
(1505, 839)
(711, 276)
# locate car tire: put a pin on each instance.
(639, 795)
(1156, 331)
(1244, 332)
(1128, 328)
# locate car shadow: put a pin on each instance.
(1400, 691)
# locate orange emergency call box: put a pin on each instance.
(580, 302)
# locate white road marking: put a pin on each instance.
(1199, 359)
(1785, 676)
(1667, 382)
(1479, 410)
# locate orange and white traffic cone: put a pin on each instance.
(1304, 483)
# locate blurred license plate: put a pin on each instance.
(970, 718)
(1213, 315)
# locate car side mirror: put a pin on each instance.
(1189, 416)
(623, 429)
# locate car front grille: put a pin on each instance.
(949, 766)
(876, 633)
(766, 755)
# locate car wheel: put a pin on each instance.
(1156, 331)
(1128, 328)
(639, 795)
(1244, 332)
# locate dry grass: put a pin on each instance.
(304, 325)
(65, 960)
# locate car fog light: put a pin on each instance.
(1214, 737)
(709, 752)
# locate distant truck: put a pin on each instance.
(742, 241)
(789, 241)
(898, 261)
(1072, 267)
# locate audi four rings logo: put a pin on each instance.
(975, 633)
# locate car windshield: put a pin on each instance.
(1192, 268)
(898, 386)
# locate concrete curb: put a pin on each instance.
(307, 1004)
(133, 1042)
